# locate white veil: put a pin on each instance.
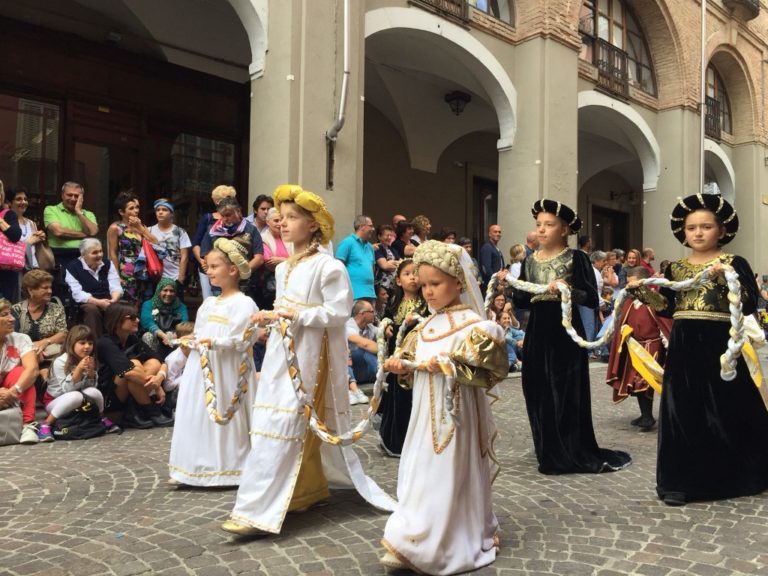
(472, 295)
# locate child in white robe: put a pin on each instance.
(444, 522)
(205, 452)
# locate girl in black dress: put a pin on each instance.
(556, 370)
(406, 305)
(712, 432)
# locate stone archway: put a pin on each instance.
(721, 169)
(740, 89)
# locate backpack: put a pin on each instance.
(82, 423)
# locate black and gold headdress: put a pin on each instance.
(565, 213)
(715, 203)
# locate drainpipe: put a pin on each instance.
(703, 90)
(332, 134)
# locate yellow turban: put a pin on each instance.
(311, 202)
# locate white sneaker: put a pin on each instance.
(29, 434)
(352, 398)
(361, 397)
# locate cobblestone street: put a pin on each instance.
(103, 507)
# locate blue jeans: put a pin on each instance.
(588, 319)
(364, 365)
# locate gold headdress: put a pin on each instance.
(236, 253)
(311, 202)
(444, 257)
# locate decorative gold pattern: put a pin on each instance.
(437, 445)
(559, 267)
(278, 436)
(211, 474)
(711, 297)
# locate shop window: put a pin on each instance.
(609, 27)
(185, 169)
(29, 150)
(500, 9)
(718, 109)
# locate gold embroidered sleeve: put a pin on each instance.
(481, 359)
(651, 298)
(407, 351)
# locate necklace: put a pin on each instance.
(539, 258)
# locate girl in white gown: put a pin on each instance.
(203, 452)
(288, 470)
(444, 522)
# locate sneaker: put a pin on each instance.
(44, 434)
(111, 427)
(352, 398)
(361, 397)
(29, 434)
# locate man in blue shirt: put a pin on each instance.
(356, 251)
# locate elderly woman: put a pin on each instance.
(275, 252)
(217, 195)
(131, 375)
(94, 283)
(18, 372)
(45, 322)
(233, 225)
(160, 315)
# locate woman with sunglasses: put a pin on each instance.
(131, 374)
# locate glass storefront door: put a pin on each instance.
(104, 170)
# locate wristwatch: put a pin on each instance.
(18, 390)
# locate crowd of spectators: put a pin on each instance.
(131, 320)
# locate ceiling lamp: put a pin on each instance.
(457, 100)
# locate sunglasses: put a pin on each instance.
(130, 317)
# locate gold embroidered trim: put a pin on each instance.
(278, 408)
(449, 332)
(277, 436)
(538, 258)
(702, 315)
(547, 297)
(438, 448)
(204, 474)
(218, 319)
(298, 303)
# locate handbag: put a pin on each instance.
(154, 264)
(10, 425)
(82, 423)
(12, 254)
(44, 256)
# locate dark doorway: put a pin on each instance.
(486, 209)
(610, 229)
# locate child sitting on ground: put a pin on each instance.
(72, 376)
(175, 361)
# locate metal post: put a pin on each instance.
(703, 104)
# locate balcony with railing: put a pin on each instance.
(456, 10)
(612, 68)
(712, 119)
(744, 9)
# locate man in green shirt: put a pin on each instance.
(68, 222)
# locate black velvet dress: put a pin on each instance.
(556, 371)
(712, 433)
(396, 402)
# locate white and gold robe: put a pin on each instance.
(444, 522)
(204, 453)
(288, 468)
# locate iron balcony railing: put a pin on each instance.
(745, 9)
(457, 10)
(612, 68)
(712, 118)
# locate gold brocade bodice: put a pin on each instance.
(406, 307)
(559, 267)
(710, 302)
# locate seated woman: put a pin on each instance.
(130, 374)
(514, 338)
(45, 322)
(18, 371)
(94, 283)
(160, 315)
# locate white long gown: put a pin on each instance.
(318, 289)
(444, 522)
(204, 453)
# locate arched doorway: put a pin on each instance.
(618, 164)
(425, 153)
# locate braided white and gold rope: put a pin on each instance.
(209, 386)
(735, 342)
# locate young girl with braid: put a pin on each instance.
(288, 470)
(204, 452)
(711, 432)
